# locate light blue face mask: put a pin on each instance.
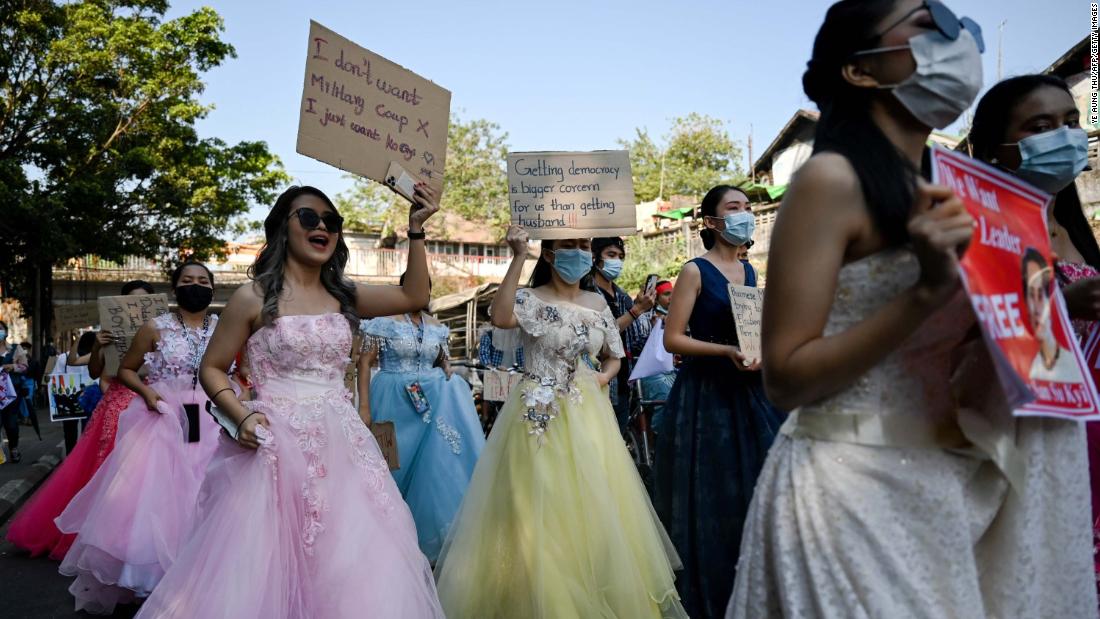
(612, 268)
(1052, 159)
(739, 228)
(572, 264)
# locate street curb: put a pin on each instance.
(16, 491)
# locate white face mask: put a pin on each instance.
(947, 78)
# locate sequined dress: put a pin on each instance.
(556, 521)
(438, 448)
(33, 528)
(134, 514)
(311, 524)
(894, 498)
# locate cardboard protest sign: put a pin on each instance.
(386, 436)
(498, 384)
(64, 393)
(67, 317)
(360, 112)
(1008, 271)
(559, 195)
(123, 316)
(748, 306)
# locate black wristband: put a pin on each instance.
(417, 236)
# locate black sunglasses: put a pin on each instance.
(944, 20)
(311, 219)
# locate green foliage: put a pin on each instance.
(98, 148)
(645, 256)
(698, 154)
(475, 183)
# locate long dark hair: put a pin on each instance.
(269, 268)
(709, 208)
(544, 271)
(991, 120)
(888, 179)
(178, 273)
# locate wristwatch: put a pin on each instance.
(417, 236)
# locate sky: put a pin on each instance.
(568, 74)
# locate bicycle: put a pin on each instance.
(639, 432)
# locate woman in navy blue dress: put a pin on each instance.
(718, 424)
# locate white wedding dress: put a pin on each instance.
(878, 501)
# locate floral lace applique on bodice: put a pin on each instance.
(292, 347)
(178, 350)
(913, 379)
(558, 339)
(1073, 272)
(403, 346)
(298, 368)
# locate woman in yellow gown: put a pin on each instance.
(556, 522)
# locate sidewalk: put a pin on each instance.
(19, 481)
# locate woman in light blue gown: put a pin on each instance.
(439, 436)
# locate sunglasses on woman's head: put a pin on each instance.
(311, 219)
(944, 20)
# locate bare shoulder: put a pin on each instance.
(593, 300)
(827, 181)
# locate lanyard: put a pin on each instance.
(419, 333)
(194, 344)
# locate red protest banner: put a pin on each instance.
(1008, 271)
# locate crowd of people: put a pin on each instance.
(867, 465)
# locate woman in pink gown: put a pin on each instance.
(33, 528)
(134, 514)
(299, 516)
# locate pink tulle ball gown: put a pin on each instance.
(310, 525)
(33, 528)
(133, 516)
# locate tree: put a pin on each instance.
(475, 183)
(662, 256)
(98, 148)
(698, 155)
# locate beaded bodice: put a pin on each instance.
(403, 346)
(179, 348)
(914, 378)
(316, 347)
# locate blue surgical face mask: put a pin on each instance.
(572, 264)
(612, 267)
(739, 228)
(1052, 159)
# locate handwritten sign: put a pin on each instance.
(123, 316)
(75, 315)
(555, 195)
(64, 394)
(1008, 272)
(386, 436)
(360, 112)
(748, 305)
(498, 384)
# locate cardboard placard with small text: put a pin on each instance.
(564, 195)
(360, 112)
(498, 384)
(69, 316)
(386, 436)
(123, 316)
(748, 305)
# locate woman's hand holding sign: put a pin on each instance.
(940, 229)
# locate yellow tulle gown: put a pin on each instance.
(556, 522)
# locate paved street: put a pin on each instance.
(32, 587)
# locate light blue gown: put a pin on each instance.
(437, 450)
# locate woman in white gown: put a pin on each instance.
(885, 494)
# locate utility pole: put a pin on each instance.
(1000, 48)
(661, 190)
(752, 168)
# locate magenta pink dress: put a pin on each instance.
(1074, 272)
(133, 516)
(310, 525)
(33, 528)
